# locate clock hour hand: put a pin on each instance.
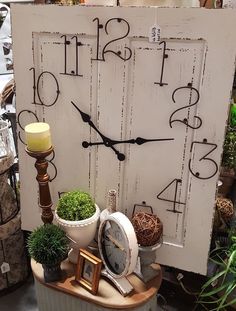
(106, 141)
(115, 242)
(87, 119)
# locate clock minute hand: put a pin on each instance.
(138, 141)
(141, 141)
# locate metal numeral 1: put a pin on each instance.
(164, 56)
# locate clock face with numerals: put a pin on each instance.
(145, 118)
(118, 245)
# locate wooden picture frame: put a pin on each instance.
(88, 271)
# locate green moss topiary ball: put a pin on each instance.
(48, 244)
(76, 205)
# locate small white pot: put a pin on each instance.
(82, 232)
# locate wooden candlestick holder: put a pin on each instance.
(45, 201)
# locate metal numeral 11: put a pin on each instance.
(77, 44)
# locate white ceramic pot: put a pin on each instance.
(81, 232)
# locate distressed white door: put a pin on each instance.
(158, 111)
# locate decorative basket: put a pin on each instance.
(148, 228)
(224, 214)
(225, 207)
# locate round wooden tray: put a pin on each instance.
(107, 295)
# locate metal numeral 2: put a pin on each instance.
(185, 120)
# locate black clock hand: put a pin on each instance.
(106, 141)
(138, 141)
(86, 144)
(141, 141)
(87, 119)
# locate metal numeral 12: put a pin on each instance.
(106, 49)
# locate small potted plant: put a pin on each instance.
(78, 215)
(49, 246)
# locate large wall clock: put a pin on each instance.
(144, 118)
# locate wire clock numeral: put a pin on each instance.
(185, 120)
(20, 124)
(36, 87)
(106, 49)
(177, 182)
(77, 45)
(164, 57)
(204, 158)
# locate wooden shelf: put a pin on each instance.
(108, 296)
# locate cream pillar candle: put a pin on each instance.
(38, 136)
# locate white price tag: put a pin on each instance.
(5, 267)
(155, 34)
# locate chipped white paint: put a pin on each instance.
(124, 103)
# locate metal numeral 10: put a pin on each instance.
(37, 84)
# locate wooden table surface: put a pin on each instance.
(107, 295)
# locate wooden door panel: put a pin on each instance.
(115, 86)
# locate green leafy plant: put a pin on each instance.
(232, 118)
(76, 205)
(229, 151)
(218, 293)
(48, 244)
